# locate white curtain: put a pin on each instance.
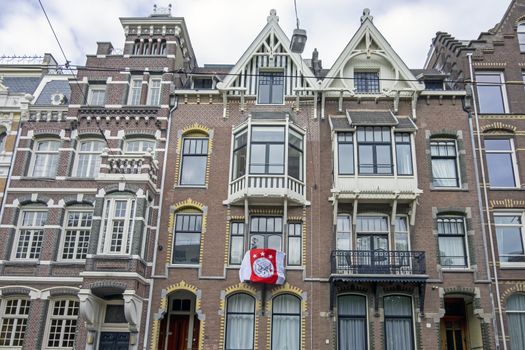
(444, 172)
(452, 251)
(404, 159)
(352, 322)
(398, 323)
(240, 321)
(516, 316)
(286, 321)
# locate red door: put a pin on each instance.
(178, 332)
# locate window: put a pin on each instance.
(118, 225)
(345, 153)
(271, 88)
(521, 36)
(76, 235)
(97, 95)
(203, 83)
(240, 320)
(194, 161)
(135, 91)
(286, 322)
(239, 155)
(492, 94)
(510, 236)
(501, 162)
(267, 150)
(236, 242)
(398, 323)
(13, 324)
(452, 247)
(516, 317)
(366, 82)
(372, 233)
(266, 232)
(401, 238)
(62, 324)
(88, 164)
(374, 150)
(187, 239)
(344, 233)
(295, 155)
(403, 154)
(352, 322)
(46, 158)
(434, 85)
(154, 92)
(139, 146)
(444, 162)
(30, 235)
(294, 244)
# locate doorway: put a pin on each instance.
(460, 328)
(114, 341)
(180, 327)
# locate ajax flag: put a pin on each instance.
(263, 266)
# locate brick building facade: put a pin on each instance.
(493, 65)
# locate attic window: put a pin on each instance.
(203, 83)
(271, 88)
(433, 84)
(366, 82)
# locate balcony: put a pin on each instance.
(129, 167)
(377, 265)
(267, 189)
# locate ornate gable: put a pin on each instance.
(269, 52)
(369, 52)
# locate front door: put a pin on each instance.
(114, 341)
(454, 338)
(178, 332)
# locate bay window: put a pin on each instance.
(374, 150)
(118, 225)
(403, 154)
(239, 155)
(267, 150)
(295, 155)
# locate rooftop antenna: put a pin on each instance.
(299, 35)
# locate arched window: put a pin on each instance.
(516, 317)
(352, 323)
(194, 160)
(240, 321)
(399, 333)
(286, 322)
(88, 161)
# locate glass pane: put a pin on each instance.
(193, 170)
(444, 173)
(398, 305)
(404, 159)
(490, 99)
(351, 305)
(510, 244)
(276, 159)
(239, 162)
(295, 163)
(274, 242)
(452, 251)
(237, 249)
(366, 159)
(346, 158)
(267, 134)
(294, 251)
(498, 145)
(501, 170)
(258, 159)
(384, 159)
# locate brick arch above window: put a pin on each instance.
(498, 127)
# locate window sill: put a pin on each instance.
(37, 178)
(184, 266)
(457, 269)
(506, 189)
(24, 262)
(112, 257)
(512, 266)
(80, 178)
(191, 186)
(68, 262)
(448, 189)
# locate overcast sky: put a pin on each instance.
(221, 30)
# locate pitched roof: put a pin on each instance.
(370, 117)
(53, 87)
(26, 85)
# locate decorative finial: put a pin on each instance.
(366, 15)
(273, 16)
(159, 11)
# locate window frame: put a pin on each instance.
(76, 236)
(141, 141)
(503, 90)
(266, 235)
(237, 235)
(411, 318)
(348, 140)
(521, 226)
(91, 93)
(228, 313)
(360, 317)
(464, 237)
(135, 92)
(194, 232)
(33, 231)
(267, 151)
(92, 157)
(17, 318)
(514, 312)
(513, 157)
(184, 155)
(238, 149)
(273, 75)
(295, 315)
(374, 144)
(297, 234)
(50, 173)
(346, 234)
(434, 140)
(63, 324)
(365, 85)
(154, 91)
(108, 223)
(410, 150)
(520, 29)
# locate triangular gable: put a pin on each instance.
(270, 49)
(368, 43)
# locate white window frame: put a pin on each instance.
(77, 229)
(63, 320)
(510, 213)
(512, 152)
(48, 154)
(33, 230)
(108, 221)
(135, 92)
(503, 89)
(18, 318)
(141, 142)
(465, 241)
(458, 169)
(93, 163)
(521, 30)
(154, 92)
(94, 97)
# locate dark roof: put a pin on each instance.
(51, 88)
(26, 85)
(405, 123)
(371, 117)
(220, 70)
(424, 73)
(339, 122)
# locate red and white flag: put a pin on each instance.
(263, 266)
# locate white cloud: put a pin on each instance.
(221, 30)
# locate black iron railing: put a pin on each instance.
(385, 262)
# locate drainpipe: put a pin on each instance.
(489, 221)
(155, 248)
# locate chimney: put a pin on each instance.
(104, 48)
(316, 63)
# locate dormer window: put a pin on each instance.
(366, 82)
(203, 83)
(271, 88)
